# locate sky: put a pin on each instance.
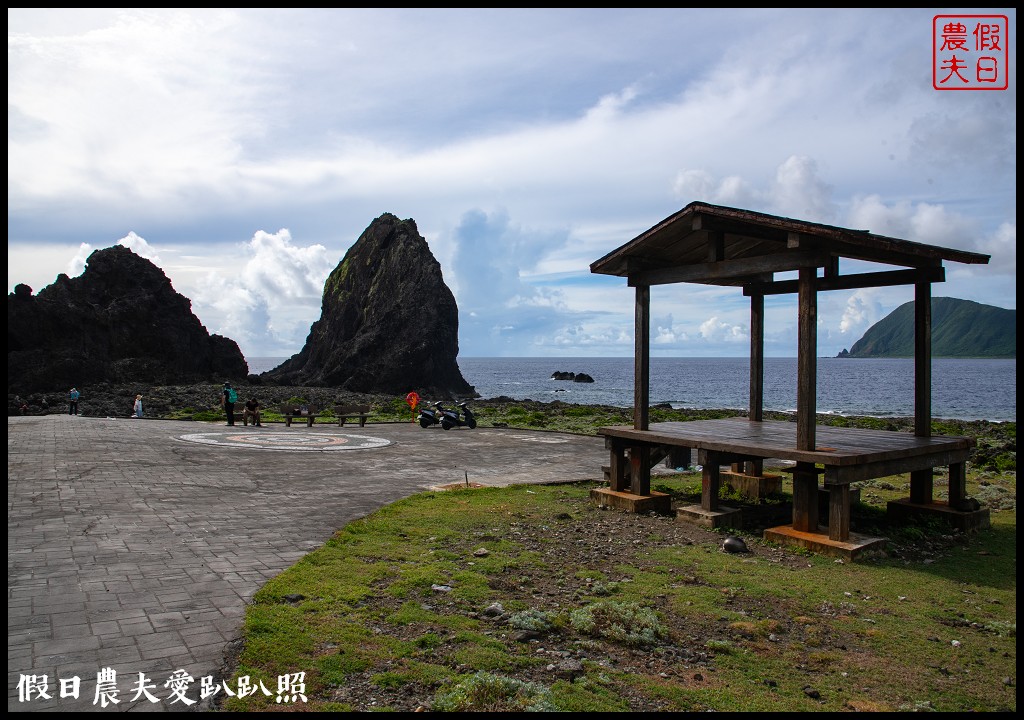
(244, 151)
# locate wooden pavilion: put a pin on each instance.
(717, 245)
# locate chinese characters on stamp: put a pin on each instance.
(970, 52)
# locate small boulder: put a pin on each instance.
(733, 544)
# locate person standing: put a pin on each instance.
(137, 409)
(227, 401)
(73, 401)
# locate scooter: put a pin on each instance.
(450, 418)
(429, 416)
(469, 419)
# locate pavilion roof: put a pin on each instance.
(719, 245)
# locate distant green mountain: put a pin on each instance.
(960, 328)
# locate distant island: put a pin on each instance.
(960, 329)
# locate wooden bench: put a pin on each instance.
(351, 412)
(294, 412)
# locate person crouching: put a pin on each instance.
(252, 410)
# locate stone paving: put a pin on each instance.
(133, 547)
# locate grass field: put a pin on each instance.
(533, 598)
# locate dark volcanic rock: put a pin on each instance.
(120, 321)
(388, 322)
(575, 377)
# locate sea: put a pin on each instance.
(963, 389)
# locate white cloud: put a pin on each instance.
(131, 241)
(267, 299)
(140, 247)
(1002, 246)
(799, 192)
(734, 191)
(526, 143)
(77, 264)
(716, 330)
(663, 332)
(920, 222)
(860, 313)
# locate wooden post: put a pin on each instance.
(755, 468)
(839, 512)
(642, 360)
(617, 468)
(957, 485)
(805, 497)
(921, 487)
(807, 363)
(711, 480)
(923, 359)
(757, 357)
(640, 470)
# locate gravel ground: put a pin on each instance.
(616, 546)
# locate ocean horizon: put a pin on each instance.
(963, 389)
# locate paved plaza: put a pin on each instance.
(135, 545)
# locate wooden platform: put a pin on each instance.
(841, 456)
(845, 450)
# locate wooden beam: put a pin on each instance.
(730, 269)
(896, 254)
(895, 466)
(807, 363)
(852, 282)
(642, 359)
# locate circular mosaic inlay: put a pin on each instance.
(310, 442)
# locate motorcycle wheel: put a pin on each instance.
(471, 423)
(424, 423)
(446, 424)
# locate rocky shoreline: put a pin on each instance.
(105, 400)
(174, 401)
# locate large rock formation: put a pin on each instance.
(960, 328)
(120, 321)
(388, 323)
